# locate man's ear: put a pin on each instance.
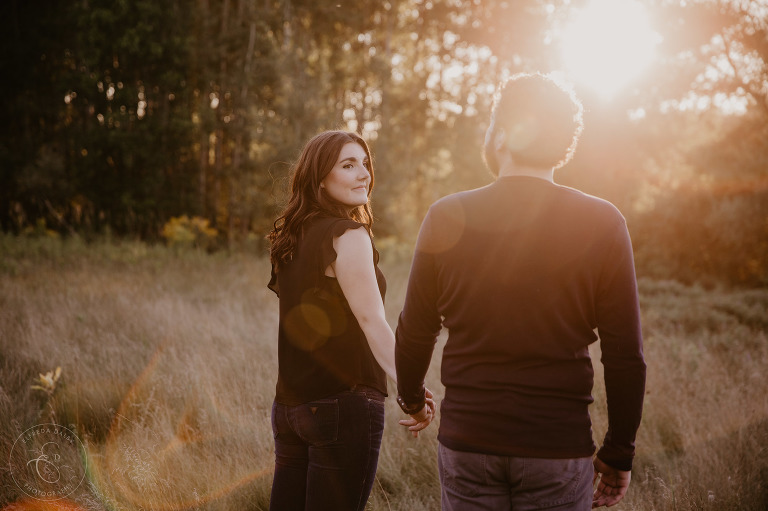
(500, 139)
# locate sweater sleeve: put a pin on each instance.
(618, 318)
(420, 322)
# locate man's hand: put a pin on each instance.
(612, 484)
(421, 420)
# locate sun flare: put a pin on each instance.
(608, 44)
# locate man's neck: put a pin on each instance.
(510, 169)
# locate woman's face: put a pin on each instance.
(349, 179)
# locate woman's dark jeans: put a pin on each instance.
(326, 451)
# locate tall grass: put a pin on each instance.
(169, 364)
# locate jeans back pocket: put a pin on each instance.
(317, 422)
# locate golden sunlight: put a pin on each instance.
(608, 44)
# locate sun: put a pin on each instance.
(608, 44)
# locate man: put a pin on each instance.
(523, 273)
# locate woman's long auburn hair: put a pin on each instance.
(308, 200)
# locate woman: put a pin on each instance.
(335, 347)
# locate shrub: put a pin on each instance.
(191, 232)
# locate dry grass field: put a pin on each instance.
(168, 365)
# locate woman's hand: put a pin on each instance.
(424, 418)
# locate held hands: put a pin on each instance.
(612, 484)
(421, 420)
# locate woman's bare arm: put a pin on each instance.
(356, 275)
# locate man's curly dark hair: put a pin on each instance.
(542, 120)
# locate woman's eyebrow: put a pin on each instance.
(352, 158)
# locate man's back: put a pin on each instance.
(523, 271)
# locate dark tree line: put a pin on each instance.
(120, 114)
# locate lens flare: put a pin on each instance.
(608, 44)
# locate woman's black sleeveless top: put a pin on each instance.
(321, 348)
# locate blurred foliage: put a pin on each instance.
(121, 115)
(192, 232)
(40, 229)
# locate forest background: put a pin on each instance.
(122, 116)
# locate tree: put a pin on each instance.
(127, 113)
(30, 95)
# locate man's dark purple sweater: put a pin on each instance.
(525, 275)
